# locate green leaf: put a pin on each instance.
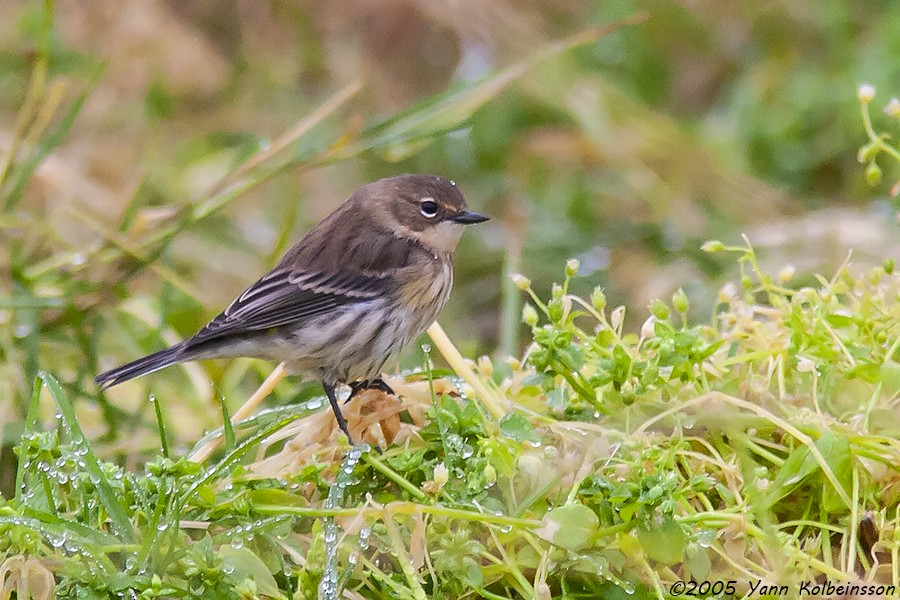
(697, 565)
(793, 472)
(839, 320)
(517, 427)
(664, 543)
(835, 450)
(572, 526)
(276, 497)
(244, 564)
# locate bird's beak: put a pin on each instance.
(469, 216)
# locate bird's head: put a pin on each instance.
(426, 208)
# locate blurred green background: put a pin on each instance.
(119, 120)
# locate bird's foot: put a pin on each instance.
(375, 384)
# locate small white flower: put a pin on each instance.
(648, 329)
(616, 317)
(520, 281)
(485, 366)
(893, 108)
(865, 92)
(786, 273)
(805, 365)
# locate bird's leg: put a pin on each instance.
(329, 391)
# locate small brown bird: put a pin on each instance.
(366, 281)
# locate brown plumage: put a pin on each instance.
(363, 283)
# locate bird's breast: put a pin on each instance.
(426, 290)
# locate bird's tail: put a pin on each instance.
(142, 366)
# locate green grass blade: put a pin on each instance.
(227, 426)
(30, 423)
(117, 512)
(161, 427)
(232, 457)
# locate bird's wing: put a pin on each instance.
(288, 296)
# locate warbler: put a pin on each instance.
(361, 285)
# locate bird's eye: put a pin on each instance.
(428, 208)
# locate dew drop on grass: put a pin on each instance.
(364, 535)
(328, 586)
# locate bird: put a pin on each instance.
(367, 280)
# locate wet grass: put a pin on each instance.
(752, 441)
(760, 445)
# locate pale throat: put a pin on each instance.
(442, 238)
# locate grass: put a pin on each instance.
(746, 444)
(759, 445)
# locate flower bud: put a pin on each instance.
(888, 265)
(893, 108)
(712, 246)
(873, 173)
(485, 366)
(556, 292)
(648, 329)
(521, 282)
(680, 301)
(441, 474)
(616, 318)
(598, 298)
(572, 267)
(865, 92)
(805, 365)
(727, 294)
(659, 309)
(529, 315)
(786, 273)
